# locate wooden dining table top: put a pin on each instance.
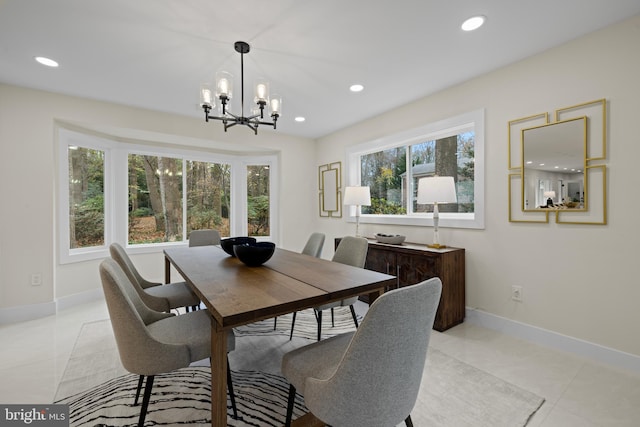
(236, 294)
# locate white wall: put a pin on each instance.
(27, 175)
(577, 280)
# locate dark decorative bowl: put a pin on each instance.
(228, 244)
(255, 254)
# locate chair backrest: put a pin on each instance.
(139, 352)
(139, 283)
(120, 256)
(204, 238)
(352, 251)
(314, 245)
(378, 379)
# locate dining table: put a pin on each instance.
(236, 294)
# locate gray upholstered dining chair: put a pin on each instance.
(314, 245)
(313, 248)
(204, 238)
(351, 251)
(370, 377)
(155, 295)
(150, 342)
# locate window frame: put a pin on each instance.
(431, 131)
(116, 190)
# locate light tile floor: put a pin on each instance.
(578, 392)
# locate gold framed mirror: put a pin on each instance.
(559, 168)
(330, 195)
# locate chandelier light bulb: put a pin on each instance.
(224, 84)
(262, 92)
(206, 96)
(276, 105)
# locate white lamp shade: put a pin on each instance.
(549, 194)
(357, 196)
(437, 189)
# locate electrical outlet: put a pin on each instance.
(36, 279)
(516, 293)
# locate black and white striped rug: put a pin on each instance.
(183, 396)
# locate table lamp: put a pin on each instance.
(436, 190)
(357, 196)
(549, 195)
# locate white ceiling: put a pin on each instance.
(156, 53)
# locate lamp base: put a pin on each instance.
(436, 246)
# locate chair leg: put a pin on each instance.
(292, 397)
(140, 381)
(333, 323)
(275, 323)
(353, 314)
(232, 396)
(408, 421)
(293, 322)
(145, 400)
(319, 316)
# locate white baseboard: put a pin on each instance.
(23, 313)
(79, 298)
(586, 349)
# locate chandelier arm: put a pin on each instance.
(254, 128)
(232, 118)
(255, 116)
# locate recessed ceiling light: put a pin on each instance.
(46, 61)
(473, 23)
(356, 88)
(299, 119)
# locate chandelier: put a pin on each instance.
(224, 92)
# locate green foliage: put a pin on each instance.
(383, 207)
(141, 212)
(258, 214)
(89, 222)
(203, 218)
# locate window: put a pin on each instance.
(117, 190)
(155, 199)
(209, 196)
(258, 200)
(86, 197)
(392, 167)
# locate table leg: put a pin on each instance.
(167, 270)
(375, 294)
(218, 375)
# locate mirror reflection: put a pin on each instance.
(553, 164)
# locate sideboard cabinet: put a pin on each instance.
(412, 263)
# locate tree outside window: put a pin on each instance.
(208, 196)
(86, 197)
(258, 200)
(394, 188)
(155, 199)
